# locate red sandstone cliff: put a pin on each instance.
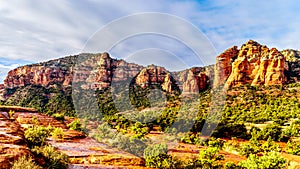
(253, 64)
(99, 71)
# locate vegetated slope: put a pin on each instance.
(261, 85)
(49, 86)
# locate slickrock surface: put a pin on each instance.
(83, 151)
(12, 141)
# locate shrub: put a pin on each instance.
(25, 162)
(272, 131)
(53, 159)
(191, 138)
(139, 130)
(104, 131)
(217, 143)
(269, 146)
(267, 161)
(255, 133)
(57, 133)
(209, 158)
(231, 165)
(130, 144)
(36, 136)
(11, 114)
(76, 125)
(252, 147)
(156, 157)
(35, 120)
(155, 150)
(291, 131)
(293, 148)
(58, 116)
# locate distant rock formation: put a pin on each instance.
(99, 71)
(293, 62)
(253, 64)
(224, 65)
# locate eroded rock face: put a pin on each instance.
(36, 75)
(253, 64)
(99, 71)
(224, 65)
(257, 65)
(154, 75)
(194, 80)
(55, 71)
(293, 63)
(12, 141)
(189, 81)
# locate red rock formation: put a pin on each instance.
(99, 71)
(292, 65)
(257, 65)
(224, 65)
(36, 74)
(154, 75)
(194, 80)
(12, 141)
(253, 64)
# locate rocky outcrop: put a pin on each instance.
(154, 75)
(253, 64)
(194, 80)
(257, 65)
(99, 71)
(12, 141)
(293, 62)
(55, 71)
(224, 65)
(36, 75)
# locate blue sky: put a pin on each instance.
(33, 30)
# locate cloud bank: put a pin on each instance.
(34, 31)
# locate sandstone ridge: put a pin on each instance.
(252, 63)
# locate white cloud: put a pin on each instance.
(36, 30)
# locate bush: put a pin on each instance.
(59, 117)
(104, 131)
(191, 138)
(139, 130)
(231, 165)
(271, 160)
(272, 131)
(76, 125)
(217, 143)
(156, 157)
(11, 114)
(269, 146)
(36, 136)
(130, 144)
(209, 158)
(57, 133)
(155, 150)
(25, 162)
(293, 148)
(291, 131)
(53, 159)
(253, 147)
